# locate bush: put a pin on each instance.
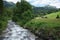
(57, 16)
(3, 25)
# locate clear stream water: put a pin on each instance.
(15, 32)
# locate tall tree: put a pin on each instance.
(3, 20)
(22, 8)
(1, 7)
(25, 6)
(1, 12)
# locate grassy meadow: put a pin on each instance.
(50, 21)
(45, 26)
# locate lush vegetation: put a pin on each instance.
(3, 20)
(46, 26)
(5, 15)
(22, 12)
(44, 22)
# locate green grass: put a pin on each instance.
(53, 15)
(50, 21)
(51, 24)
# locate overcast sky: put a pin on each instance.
(41, 2)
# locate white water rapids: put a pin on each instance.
(15, 32)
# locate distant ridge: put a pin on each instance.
(8, 4)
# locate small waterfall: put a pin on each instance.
(15, 32)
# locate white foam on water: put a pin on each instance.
(15, 32)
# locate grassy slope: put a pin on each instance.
(45, 27)
(49, 22)
(53, 15)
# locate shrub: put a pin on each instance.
(57, 16)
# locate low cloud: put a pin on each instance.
(45, 2)
(12, 1)
(41, 2)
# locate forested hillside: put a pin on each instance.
(44, 10)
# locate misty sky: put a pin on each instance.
(41, 2)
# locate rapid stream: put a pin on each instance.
(15, 32)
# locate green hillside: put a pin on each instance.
(45, 25)
(50, 21)
(53, 15)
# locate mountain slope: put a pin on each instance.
(44, 10)
(53, 15)
(8, 4)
